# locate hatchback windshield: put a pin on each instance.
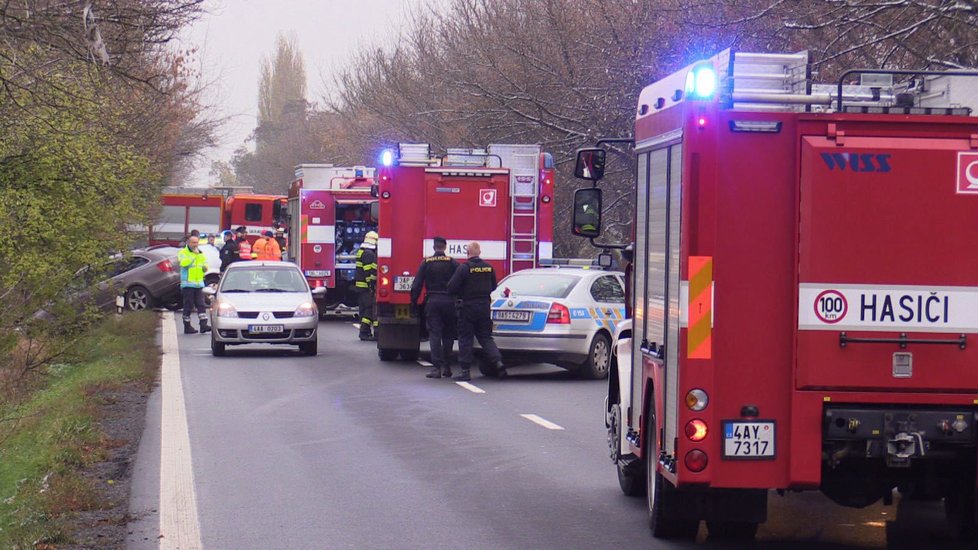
(544, 285)
(263, 279)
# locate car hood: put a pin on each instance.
(265, 301)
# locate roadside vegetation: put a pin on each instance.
(52, 433)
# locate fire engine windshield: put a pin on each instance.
(542, 285)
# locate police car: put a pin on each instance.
(566, 316)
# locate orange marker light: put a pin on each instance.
(696, 430)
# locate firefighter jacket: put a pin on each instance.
(266, 248)
(193, 266)
(229, 254)
(366, 274)
(433, 275)
(473, 281)
(244, 249)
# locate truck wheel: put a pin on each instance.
(218, 349)
(309, 348)
(387, 354)
(138, 299)
(960, 511)
(661, 495)
(631, 477)
(598, 360)
(732, 530)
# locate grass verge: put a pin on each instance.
(47, 442)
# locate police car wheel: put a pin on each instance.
(217, 348)
(598, 360)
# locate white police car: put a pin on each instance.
(566, 316)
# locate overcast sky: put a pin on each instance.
(236, 34)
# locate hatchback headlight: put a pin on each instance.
(224, 309)
(307, 309)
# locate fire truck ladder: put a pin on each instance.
(523, 162)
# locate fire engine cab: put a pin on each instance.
(211, 210)
(805, 292)
(330, 210)
(500, 196)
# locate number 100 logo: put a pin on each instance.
(831, 306)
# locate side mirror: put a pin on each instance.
(318, 292)
(587, 213)
(590, 164)
(210, 291)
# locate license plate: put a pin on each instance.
(748, 440)
(511, 316)
(403, 284)
(317, 273)
(264, 329)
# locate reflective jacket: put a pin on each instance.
(266, 249)
(366, 274)
(193, 266)
(244, 249)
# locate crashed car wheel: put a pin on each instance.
(598, 358)
(138, 299)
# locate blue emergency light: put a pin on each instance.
(387, 157)
(701, 82)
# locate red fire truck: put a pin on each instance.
(213, 209)
(331, 209)
(805, 292)
(501, 196)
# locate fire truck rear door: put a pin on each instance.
(888, 265)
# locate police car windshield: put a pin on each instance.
(549, 285)
(263, 279)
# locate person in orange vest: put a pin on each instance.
(266, 248)
(244, 247)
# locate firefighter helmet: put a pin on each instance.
(370, 237)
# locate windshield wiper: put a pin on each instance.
(230, 290)
(272, 290)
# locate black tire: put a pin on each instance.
(660, 494)
(138, 298)
(631, 480)
(598, 361)
(960, 511)
(732, 530)
(218, 349)
(309, 348)
(409, 355)
(387, 354)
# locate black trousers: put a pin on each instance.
(368, 304)
(442, 320)
(475, 323)
(193, 298)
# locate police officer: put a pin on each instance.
(472, 284)
(229, 253)
(440, 315)
(366, 282)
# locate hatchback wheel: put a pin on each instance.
(138, 299)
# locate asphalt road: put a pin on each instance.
(344, 451)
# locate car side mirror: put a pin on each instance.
(210, 291)
(604, 260)
(319, 291)
(590, 164)
(587, 213)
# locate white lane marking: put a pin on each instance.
(424, 363)
(179, 524)
(355, 325)
(542, 422)
(472, 388)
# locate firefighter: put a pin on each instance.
(280, 239)
(229, 252)
(472, 284)
(266, 248)
(244, 247)
(193, 266)
(366, 283)
(441, 318)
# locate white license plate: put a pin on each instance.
(261, 329)
(748, 440)
(403, 284)
(511, 316)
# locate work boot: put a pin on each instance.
(203, 326)
(462, 376)
(435, 372)
(188, 328)
(446, 372)
(366, 336)
(500, 370)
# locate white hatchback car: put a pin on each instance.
(566, 316)
(264, 302)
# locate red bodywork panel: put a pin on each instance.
(783, 223)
